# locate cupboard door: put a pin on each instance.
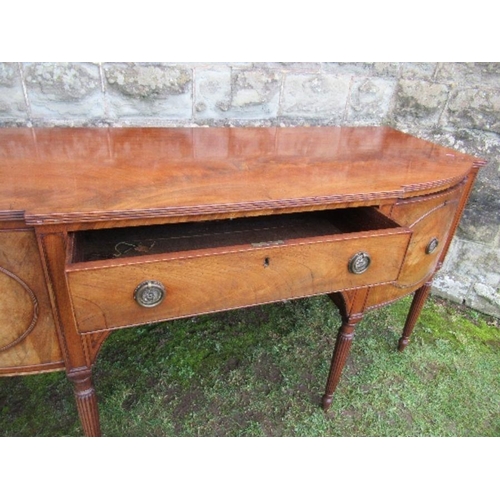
(28, 339)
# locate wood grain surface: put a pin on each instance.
(214, 279)
(84, 175)
(28, 338)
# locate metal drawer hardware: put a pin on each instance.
(149, 293)
(433, 244)
(359, 263)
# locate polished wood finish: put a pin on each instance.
(212, 219)
(98, 175)
(428, 217)
(415, 309)
(28, 338)
(228, 277)
(350, 318)
(86, 402)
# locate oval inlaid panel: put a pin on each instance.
(18, 309)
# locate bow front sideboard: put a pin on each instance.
(107, 228)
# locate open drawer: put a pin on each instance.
(128, 276)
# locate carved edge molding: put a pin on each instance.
(249, 206)
(11, 215)
(34, 301)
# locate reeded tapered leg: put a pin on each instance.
(340, 354)
(86, 402)
(416, 308)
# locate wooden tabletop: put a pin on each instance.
(70, 175)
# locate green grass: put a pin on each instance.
(261, 372)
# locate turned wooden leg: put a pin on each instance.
(340, 353)
(86, 401)
(416, 308)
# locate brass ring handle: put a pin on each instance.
(149, 293)
(359, 263)
(432, 245)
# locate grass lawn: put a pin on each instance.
(261, 372)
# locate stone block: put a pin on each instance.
(451, 287)
(287, 66)
(254, 94)
(12, 103)
(476, 108)
(485, 298)
(474, 261)
(348, 68)
(234, 95)
(369, 101)
(359, 69)
(321, 96)
(419, 102)
(212, 93)
(485, 74)
(460, 289)
(66, 93)
(481, 219)
(386, 69)
(418, 71)
(138, 92)
(470, 276)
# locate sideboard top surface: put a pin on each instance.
(65, 175)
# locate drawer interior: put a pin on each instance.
(106, 244)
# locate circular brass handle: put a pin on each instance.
(359, 263)
(149, 293)
(432, 245)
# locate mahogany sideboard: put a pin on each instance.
(107, 228)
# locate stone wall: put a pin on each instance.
(454, 104)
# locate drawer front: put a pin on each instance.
(409, 211)
(430, 219)
(103, 296)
